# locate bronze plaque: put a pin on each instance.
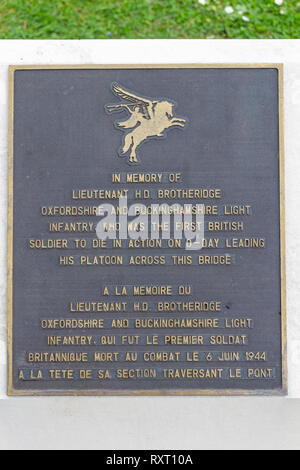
(146, 230)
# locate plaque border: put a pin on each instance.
(165, 392)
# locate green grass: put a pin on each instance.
(98, 19)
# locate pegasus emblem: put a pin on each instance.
(148, 118)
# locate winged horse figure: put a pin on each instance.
(148, 118)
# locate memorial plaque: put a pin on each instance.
(146, 230)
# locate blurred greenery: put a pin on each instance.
(96, 19)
